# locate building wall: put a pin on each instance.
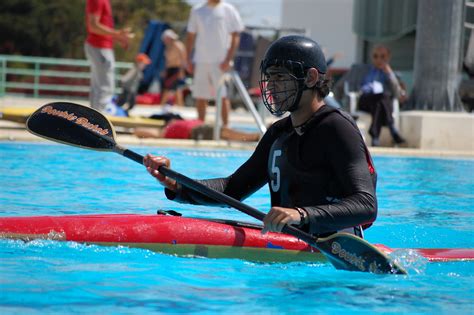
(329, 22)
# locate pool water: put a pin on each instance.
(423, 202)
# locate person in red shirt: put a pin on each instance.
(101, 35)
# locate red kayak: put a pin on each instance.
(184, 236)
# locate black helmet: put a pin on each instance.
(296, 54)
(295, 48)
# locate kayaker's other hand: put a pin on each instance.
(277, 217)
(153, 163)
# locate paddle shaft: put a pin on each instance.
(216, 195)
(323, 245)
(84, 127)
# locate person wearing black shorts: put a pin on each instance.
(315, 162)
(173, 77)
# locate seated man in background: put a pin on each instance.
(379, 86)
(376, 85)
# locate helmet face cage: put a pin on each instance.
(281, 90)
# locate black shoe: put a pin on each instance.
(398, 139)
(396, 136)
(375, 142)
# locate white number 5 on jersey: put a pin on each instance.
(275, 170)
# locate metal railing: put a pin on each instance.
(35, 76)
(244, 94)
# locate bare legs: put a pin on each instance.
(201, 106)
(179, 101)
(179, 97)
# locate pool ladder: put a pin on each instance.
(244, 94)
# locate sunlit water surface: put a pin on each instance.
(423, 202)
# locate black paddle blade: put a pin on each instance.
(73, 124)
(349, 252)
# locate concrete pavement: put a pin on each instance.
(10, 131)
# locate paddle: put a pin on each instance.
(85, 127)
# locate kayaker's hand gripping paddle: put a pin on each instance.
(85, 127)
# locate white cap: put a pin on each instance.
(169, 33)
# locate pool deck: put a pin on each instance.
(10, 131)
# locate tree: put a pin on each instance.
(39, 27)
(56, 28)
(137, 14)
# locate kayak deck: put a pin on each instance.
(184, 236)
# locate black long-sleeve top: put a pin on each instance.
(327, 170)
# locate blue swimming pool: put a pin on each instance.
(423, 202)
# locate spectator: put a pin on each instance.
(379, 86)
(101, 35)
(131, 81)
(175, 65)
(214, 32)
(376, 86)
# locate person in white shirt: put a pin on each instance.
(213, 32)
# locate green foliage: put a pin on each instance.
(136, 14)
(56, 28)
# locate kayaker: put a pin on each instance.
(318, 168)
